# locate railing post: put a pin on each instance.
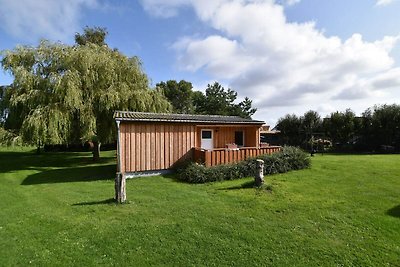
(259, 176)
(207, 159)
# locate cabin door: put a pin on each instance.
(207, 139)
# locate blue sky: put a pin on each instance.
(289, 56)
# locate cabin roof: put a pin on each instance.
(181, 118)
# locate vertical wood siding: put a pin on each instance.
(146, 147)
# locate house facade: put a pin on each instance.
(153, 141)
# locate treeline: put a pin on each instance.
(215, 101)
(377, 129)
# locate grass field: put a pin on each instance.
(56, 209)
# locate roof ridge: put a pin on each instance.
(179, 114)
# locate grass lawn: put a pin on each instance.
(56, 209)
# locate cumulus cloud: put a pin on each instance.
(384, 2)
(280, 63)
(33, 19)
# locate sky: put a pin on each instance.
(288, 56)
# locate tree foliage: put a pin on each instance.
(96, 35)
(64, 94)
(298, 131)
(179, 94)
(383, 126)
(216, 100)
(340, 126)
(219, 101)
(290, 126)
(3, 105)
(311, 122)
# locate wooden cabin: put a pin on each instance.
(149, 142)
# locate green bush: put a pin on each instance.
(289, 158)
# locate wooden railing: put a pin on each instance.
(224, 156)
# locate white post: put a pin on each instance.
(259, 176)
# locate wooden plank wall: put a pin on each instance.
(146, 147)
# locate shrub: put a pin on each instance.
(289, 158)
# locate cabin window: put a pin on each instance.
(239, 138)
(205, 134)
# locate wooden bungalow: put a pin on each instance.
(153, 142)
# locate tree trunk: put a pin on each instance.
(38, 148)
(96, 150)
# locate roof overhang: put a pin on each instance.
(183, 118)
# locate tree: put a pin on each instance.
(340, 126)
(179, 94)
(298, 131)
(199, 100)
(66, 93)
(218, 101)
(386, 125)
(96, 35)
(245, 108)
(289, 126)
(311, 122)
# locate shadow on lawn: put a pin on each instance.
(245, 185)
(101, 202)
(12, 161)
(78, 174)
(394, 212)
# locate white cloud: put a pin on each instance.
(384, 2)
(282, 64)
(33, 19)
(291, 2)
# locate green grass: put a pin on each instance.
(56, 209)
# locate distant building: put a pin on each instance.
(269, 137)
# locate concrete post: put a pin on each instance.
(259, 176)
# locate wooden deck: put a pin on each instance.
(224, 156)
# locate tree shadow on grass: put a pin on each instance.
(12, 161)
(394, 212)
(67, 175)
(101, 202)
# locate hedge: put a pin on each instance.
(289, 158)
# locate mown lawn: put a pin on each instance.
(56, 209)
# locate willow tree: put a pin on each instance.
(68, 93)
